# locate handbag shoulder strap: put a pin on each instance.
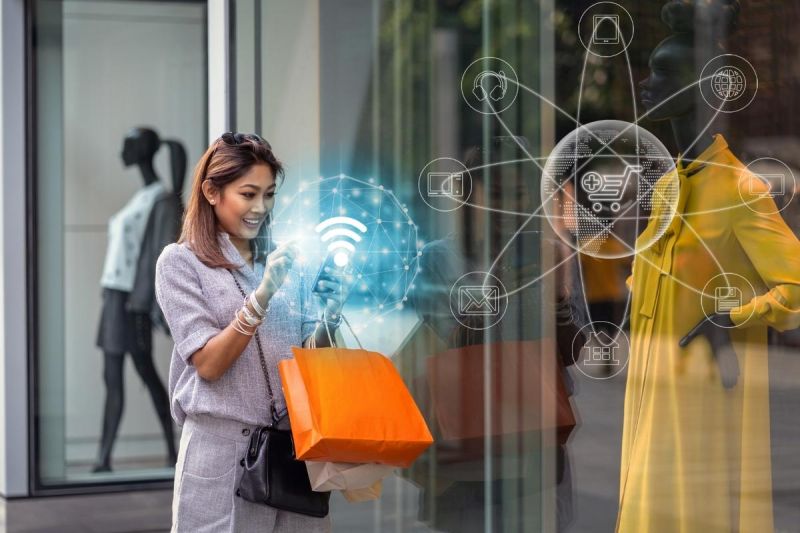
(261, 357)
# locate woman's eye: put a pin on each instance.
(248, 195)
(270, 195)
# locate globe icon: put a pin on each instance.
(728, 83)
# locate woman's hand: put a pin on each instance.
(279, 262)
(334, 291)
(713, 329)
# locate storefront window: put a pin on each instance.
(570, 405)
(119, 99)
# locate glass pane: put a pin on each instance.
(120, 99)
(363, 101)
(559, 146)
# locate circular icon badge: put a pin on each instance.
(478, 300)
(605, 29)
(723, 293)
(603, 183)
(767, 186)
(445, 184)
(602, 350)
(489, 85)
(728, 83)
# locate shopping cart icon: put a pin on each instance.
(607, 188)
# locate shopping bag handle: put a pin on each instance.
(313, 343)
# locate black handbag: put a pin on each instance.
(272, 475)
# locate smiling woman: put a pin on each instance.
(224, 381)
(246, 207)
(247, 162)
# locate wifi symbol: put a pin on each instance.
(338, 230)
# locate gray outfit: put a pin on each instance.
(206, 475)
(198, 303)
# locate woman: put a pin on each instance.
(218, 389)
(696, 438)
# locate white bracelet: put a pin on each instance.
(249, 318)
(240, 327)
(262, 312)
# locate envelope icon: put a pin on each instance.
(479, 300)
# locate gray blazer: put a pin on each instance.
(198, 303)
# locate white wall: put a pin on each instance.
(125, 64)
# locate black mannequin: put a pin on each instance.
(127, 327)
(675, 64)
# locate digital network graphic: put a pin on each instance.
(367, 233)
(602, 184)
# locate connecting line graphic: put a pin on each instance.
(560, 187)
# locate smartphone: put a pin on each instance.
(330, 270)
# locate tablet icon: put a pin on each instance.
(605, 29)
(479, 300)
(726, 299)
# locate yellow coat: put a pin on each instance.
(695, 456)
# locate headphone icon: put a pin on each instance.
(497, 88)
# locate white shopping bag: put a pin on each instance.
(325, 476)
(364, 495)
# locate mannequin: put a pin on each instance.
(695, 444)
(135, 233)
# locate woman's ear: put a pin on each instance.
(210, 192)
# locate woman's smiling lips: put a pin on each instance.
(252, 222)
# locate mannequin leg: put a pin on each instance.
(143, 361)
(113, 364)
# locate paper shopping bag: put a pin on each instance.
(364, 495)
(326, 476)
(351, 406)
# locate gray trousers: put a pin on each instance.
(206, 477)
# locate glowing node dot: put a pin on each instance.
(341, 259)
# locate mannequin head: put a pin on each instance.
(140, 146)
(677, 61)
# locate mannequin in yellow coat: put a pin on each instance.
(695, 453)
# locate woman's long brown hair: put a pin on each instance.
(226, 160)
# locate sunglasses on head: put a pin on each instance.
(233, 138)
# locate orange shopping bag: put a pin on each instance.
(351, 406)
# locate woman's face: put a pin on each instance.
(243, 205)
(671, 71)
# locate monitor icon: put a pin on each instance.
(775, 182)
(605, 29)
(447, 184)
